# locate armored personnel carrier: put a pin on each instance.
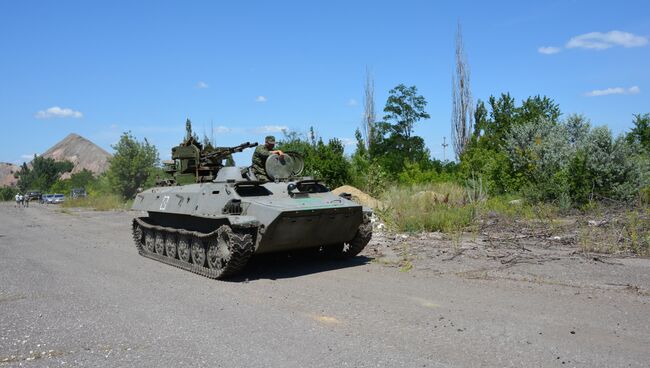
(222, 215)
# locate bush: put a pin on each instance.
(8, 193)
(539, 151)
(132, 165)
(493, 166)
(571, 163)
(414, 173)
(323, 161)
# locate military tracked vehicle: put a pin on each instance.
(210, 217)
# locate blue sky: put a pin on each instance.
(254, 67)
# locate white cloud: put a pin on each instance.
(614, 91)
(602, 41)
(348, 141)
(549, 50)
(201, 85)
(265, 129)
(352, 102)
(222, 130)
(633, 90)
(261, 99)
(27, 156)
(57, 112)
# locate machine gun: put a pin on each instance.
(196, 162)
(192, 163)
(224, 153)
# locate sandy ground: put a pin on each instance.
(74, 292)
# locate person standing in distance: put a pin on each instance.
(260, 156)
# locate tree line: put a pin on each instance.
(525, 149)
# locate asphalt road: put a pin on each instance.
(74, 292)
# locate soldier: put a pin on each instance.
(260, 156)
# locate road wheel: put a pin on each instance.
(170, 245)
(184, 244)
(159, 245)
(149, 241)
(198, 252)
(137, 234)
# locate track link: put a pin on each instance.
(241, 248)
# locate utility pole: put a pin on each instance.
(444, 148)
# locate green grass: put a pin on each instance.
(106, 202)
(427, 207)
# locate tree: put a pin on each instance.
(81, 179)
(325, 161)
(42, 173)
(404, 108)
(641, 132)
(578, 128)
(369, 117)
(491, 128)
(462, 116)
(395, 144)
(131, 165)
(486, 154)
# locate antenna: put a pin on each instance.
(444, 148)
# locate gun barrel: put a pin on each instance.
(225, 151)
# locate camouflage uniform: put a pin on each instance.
(259, 159)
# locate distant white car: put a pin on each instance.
(57, 198)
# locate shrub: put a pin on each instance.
(325, 161)
(414, 173)
(8, 193)
(540, 152)
(131, 165)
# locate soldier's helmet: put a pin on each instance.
(269, 139)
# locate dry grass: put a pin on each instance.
(623, 232)
(433, 207)
(106, 202)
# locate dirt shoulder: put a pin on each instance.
(513, 253)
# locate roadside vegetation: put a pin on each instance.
(526, 165)
(134, 166)
(523, 164)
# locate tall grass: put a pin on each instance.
(451, 208)
(428, 207)
(104, 202)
